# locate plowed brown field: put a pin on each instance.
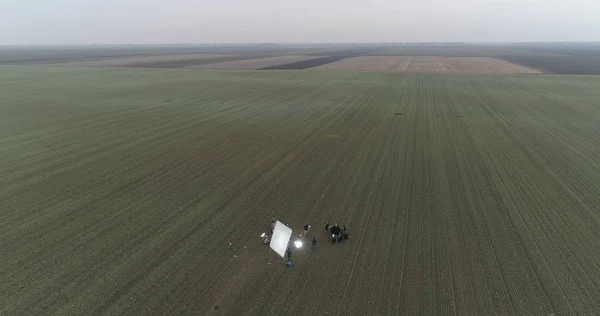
(121, 190)
(125, 61)
(472, 65)
(251, 64)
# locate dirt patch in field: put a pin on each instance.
(452, 51)
(181, 63)
(250, 64)
(428, 64)
(557, 64)
(485, 65)
(305, 64)
(124, 61)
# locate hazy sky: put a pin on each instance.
(207, 21)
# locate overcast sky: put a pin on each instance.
(243, 21)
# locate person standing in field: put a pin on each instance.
(289, 255)
(314, 242)
(265, 238)
(306, 228)
(273, 220)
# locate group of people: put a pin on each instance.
(265, 237)
(338, 234)
(307, 233)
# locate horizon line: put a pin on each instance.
(311, 43)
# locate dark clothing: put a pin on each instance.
(314, 242)
(335, 230)
(289, 254)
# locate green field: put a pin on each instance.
(121, 189)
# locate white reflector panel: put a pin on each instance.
(281, 238)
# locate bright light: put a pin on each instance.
(298, 243)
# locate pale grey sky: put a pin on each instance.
(25, 22)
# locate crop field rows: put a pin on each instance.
(554, 58)
(182, 63)
(427, 64)
(306, 64)
(258, 63)
(464, 195)
(140, 61)
(574, 65)
(295, 62)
